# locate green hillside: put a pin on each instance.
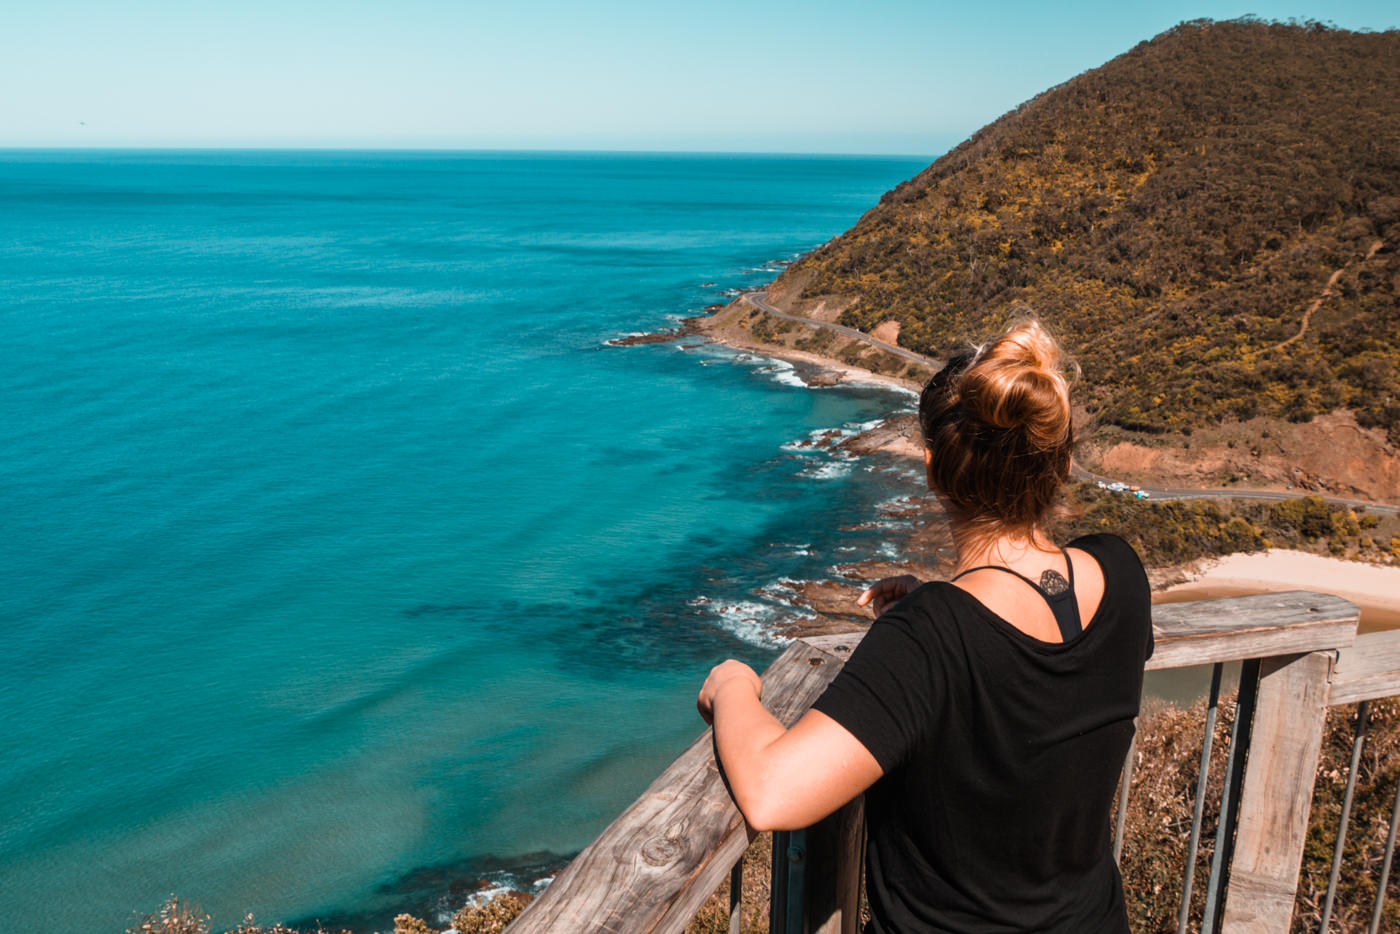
(1175, 215)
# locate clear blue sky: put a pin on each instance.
(877, 76)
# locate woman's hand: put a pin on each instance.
(720, 676)
(884, 594)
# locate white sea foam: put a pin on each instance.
(814, 441)
(781, 589)
(497, 883)
(746, 619)
(830, 438)
(617, 341)
(482, 896)
(780, 371)
(831, 470)
(784, 591)
(896, 388)
(901, 503)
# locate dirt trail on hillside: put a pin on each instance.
(1326, 294)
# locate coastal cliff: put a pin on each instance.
(1211, 221)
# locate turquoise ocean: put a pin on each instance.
(346, 565)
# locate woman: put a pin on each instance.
(986, 717)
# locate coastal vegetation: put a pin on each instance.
(1176, 532)
(1210, 221)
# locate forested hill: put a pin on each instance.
(1175, 215)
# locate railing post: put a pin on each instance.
(816, 875)
(1278, 784)
(835, 854)
(787, 882)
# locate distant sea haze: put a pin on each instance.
(345, 563)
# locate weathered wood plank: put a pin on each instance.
(653, 867)
(1368, 669)
(839, 644)
(1278, 786)
(1233, 628)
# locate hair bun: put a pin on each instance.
(1017, 382)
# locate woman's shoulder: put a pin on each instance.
(1111, 551)
(931, 614)
(1127, 591)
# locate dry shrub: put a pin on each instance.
(1367, 829)
(408, 924)
(175, 916)
(180, 916)
(491, 916)
(1157, 833)
(713, 916)
(1160, 809)
(249, 926)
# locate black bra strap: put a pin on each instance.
(1063, 606)
(998, 567)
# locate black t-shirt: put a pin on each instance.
(1001, 754)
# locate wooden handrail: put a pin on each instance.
(1233, 628)
(1369, 669)
(658, 862)
(654, 866)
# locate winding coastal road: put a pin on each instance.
(759, 299)
(1163, 493)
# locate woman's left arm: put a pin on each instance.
(782, 779)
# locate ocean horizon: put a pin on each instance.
(350, 567)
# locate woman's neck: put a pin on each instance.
(975, 548)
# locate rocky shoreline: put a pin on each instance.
(914, 526)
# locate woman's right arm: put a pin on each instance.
(782, 779)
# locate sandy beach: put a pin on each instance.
(1374, 588)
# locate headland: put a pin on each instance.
(1363, 568)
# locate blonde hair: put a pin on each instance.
(998, 427)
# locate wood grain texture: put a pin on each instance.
(1232, 628)
(1278, 786)
(654, 866)
(1368, 669)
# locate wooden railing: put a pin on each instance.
(658, 862)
